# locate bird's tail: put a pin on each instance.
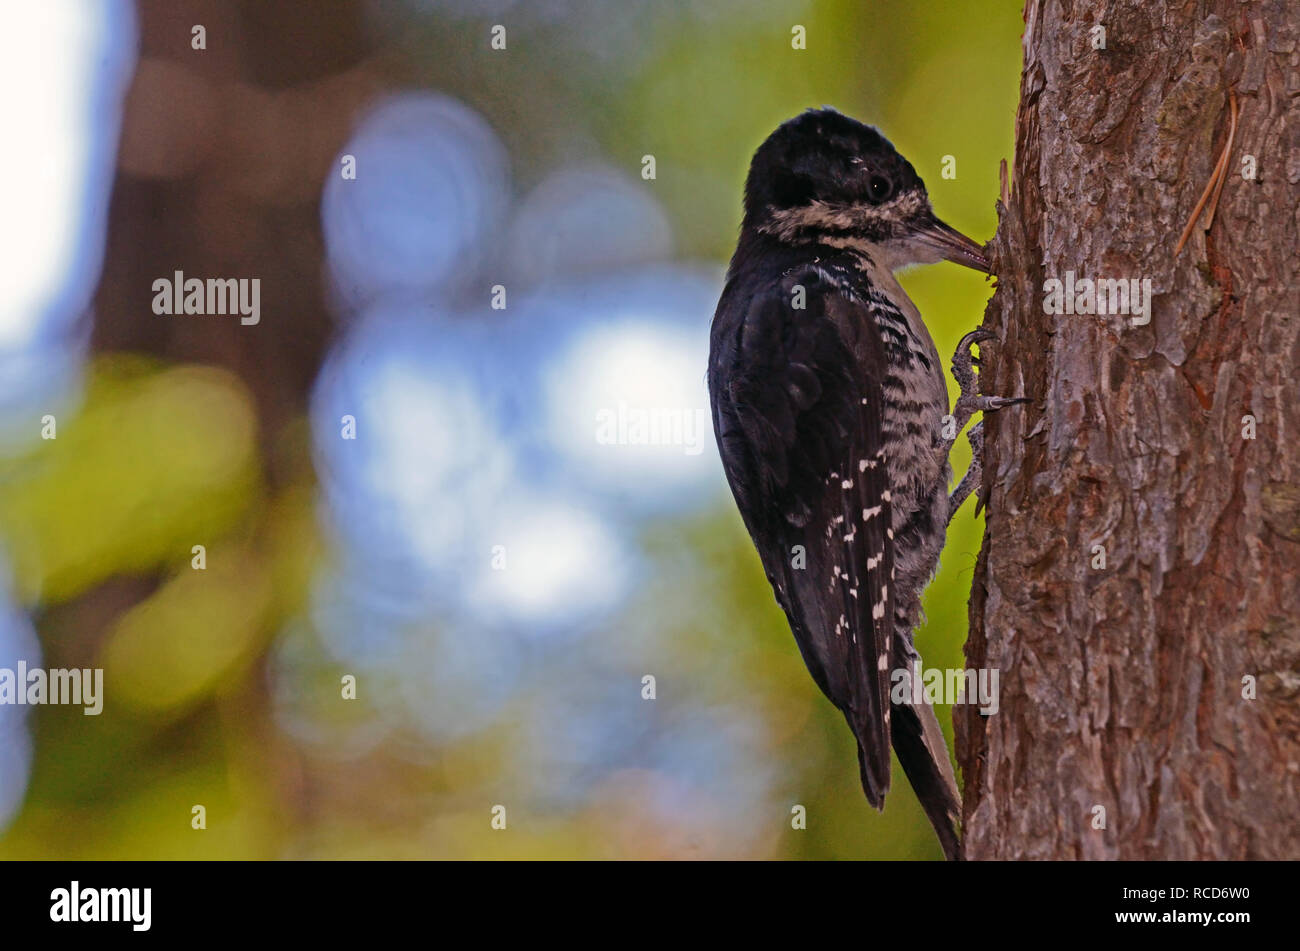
(921, 750)
(874, 786)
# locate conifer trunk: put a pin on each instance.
(1139, 583)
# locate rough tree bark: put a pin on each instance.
(1122, 686)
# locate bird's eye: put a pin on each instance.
(880, 188)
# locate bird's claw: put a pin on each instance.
(970, 401)
(970, 482)
(964, 363)
(986, 404)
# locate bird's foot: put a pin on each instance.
(970, 482)
(970, 402)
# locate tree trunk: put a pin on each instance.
(1139, 584)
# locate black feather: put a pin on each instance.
(797, 412)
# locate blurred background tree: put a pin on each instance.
(475, 427)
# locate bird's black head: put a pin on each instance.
(823, 178)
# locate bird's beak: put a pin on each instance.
(949, 244)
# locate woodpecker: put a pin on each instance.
(828, 402)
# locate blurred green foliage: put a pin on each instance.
(159, 458)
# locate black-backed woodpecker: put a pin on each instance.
(829, 405)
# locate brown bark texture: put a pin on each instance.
(1150, 701)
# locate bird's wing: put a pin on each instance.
(797, 408)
